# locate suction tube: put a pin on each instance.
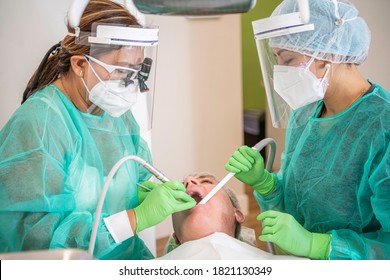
(271, 157)
(259, 146)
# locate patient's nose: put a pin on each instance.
(191, 181)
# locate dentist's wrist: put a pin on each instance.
(266, 185)
(139, 222)
(320, 246)
(132, 219)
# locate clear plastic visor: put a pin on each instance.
(278, 108)
(126, 71)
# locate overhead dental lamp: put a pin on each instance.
(185, 8)
(194, 7)
(172, 7)
(206, 7)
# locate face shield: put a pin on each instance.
(265, 31)
(121, 71)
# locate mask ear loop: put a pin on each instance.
(309, 63)
(326, 74)
(327, 66)
(93, 106)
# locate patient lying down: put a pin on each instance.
(211, 230)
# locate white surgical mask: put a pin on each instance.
(298, 86)
(112, 96)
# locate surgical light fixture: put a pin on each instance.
(184, 8)
(194, 7)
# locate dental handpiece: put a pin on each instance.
(259, 146)
(158, 174)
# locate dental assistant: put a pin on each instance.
(75, 122)
(331, 197)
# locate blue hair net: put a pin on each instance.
(339, 35)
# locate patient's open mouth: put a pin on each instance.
(197, 196)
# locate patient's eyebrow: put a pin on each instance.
(210, 179)
(205, 176)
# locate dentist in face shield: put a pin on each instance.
(331, 197)
(76, 121)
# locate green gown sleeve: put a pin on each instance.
(50, 184)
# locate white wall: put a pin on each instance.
(28, 29)
(375, 67)
(198, 110)
(198, 105)
(376, 14)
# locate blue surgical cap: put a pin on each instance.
(339, 35)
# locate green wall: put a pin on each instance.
(254, 92)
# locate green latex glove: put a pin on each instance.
(163, 200)
(283, 230)
(143, 193)
(248, 165)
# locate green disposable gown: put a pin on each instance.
(53, 163)
(335, 177)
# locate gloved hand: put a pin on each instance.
(283, 230)
(248, 165)
(163, 200)
(143, 193)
